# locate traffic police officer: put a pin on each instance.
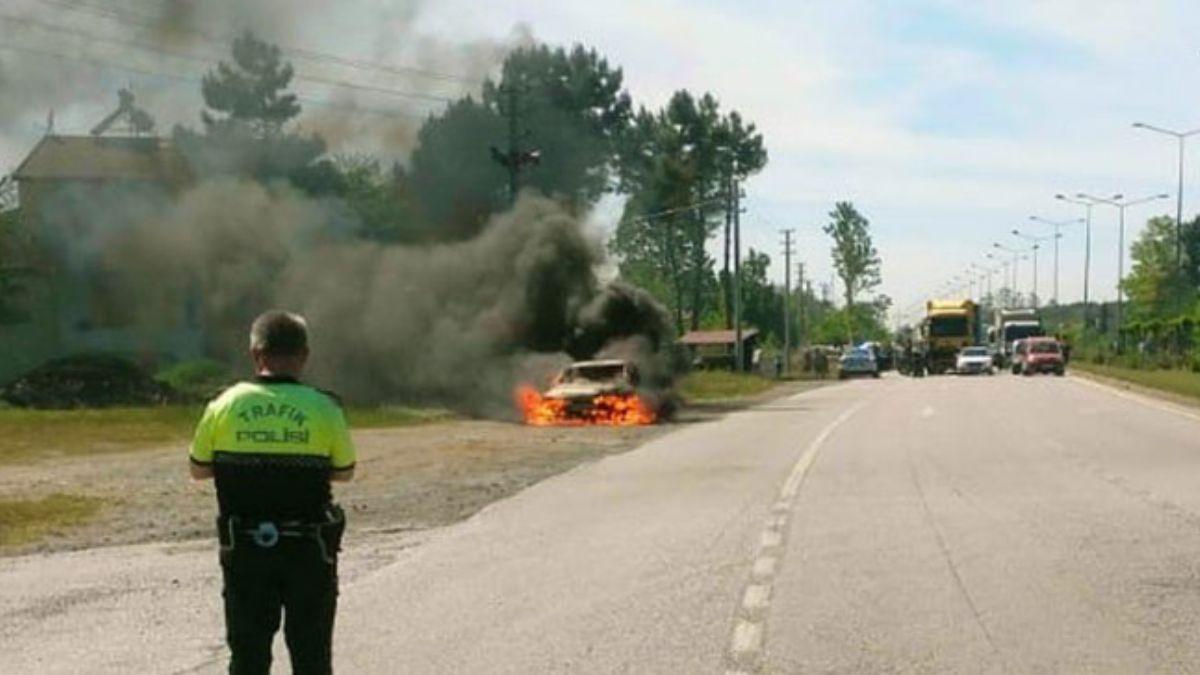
(273, 445)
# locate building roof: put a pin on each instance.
(140, 158)
(716, 337)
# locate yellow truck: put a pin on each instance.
(948, 326)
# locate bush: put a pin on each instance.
(196, 380)
(94, 380)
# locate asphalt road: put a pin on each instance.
(989, 524)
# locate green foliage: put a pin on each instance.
(15, 274)
(250, 91)
(247, 110)
(457, 186)
(196, 380)
(716, 385)
(679, 160)
(1156, 285)
(1182, 382)
(854, 255)
(571, 106)
(762, 302)
(26, 520)
(104, 430)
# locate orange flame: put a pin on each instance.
(609, 409)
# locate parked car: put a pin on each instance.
(974, 361)
(858, 361)
(1038, 355)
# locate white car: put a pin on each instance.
(973, 361)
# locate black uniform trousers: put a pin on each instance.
(291, 576)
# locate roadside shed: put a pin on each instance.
(716, 348)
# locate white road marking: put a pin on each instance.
(749, 630)
(764, 567)
(771, 539)
(747, 638)
(1137, 398)
(756, 597)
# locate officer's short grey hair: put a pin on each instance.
(279, 333)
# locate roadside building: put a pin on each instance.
(716, 348)
(75, 193)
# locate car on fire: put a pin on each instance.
(592, 392)
(1038, 355)
(974, 361)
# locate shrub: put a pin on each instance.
(196, 380)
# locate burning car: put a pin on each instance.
(589, 392)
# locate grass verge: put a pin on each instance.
(1179, 382)
(717, 385)
(26, 520)
(30, 434)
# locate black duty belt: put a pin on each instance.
(266, 533)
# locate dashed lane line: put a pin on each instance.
(749, 634)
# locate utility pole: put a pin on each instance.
(514, 159)
(802, 338)
(735, 205)
(787, 298)
(1087, 204)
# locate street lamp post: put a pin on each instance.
(1036, 244)
(1057, 225)
(1181, 136)
(1003, 265)
(1120, 203)
(1087, 249)
(1016, 254)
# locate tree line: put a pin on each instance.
(675, 167)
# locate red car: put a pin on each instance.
(1038, 355)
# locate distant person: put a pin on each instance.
(273, 445)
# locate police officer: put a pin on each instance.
(273, 445)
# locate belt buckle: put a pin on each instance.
(266, 535)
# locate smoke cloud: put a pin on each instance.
(460, 324)
(71, 56)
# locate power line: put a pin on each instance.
(102, 64)
(45, 25)
(147, 21)
(686, 207)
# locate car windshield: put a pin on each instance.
(598, 373)
(859, 354)
(948, 326)
(975, 351)
(1044, 348)
(1019, 331)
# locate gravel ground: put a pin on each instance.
(408, 478)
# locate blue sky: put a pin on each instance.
(947, 123)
